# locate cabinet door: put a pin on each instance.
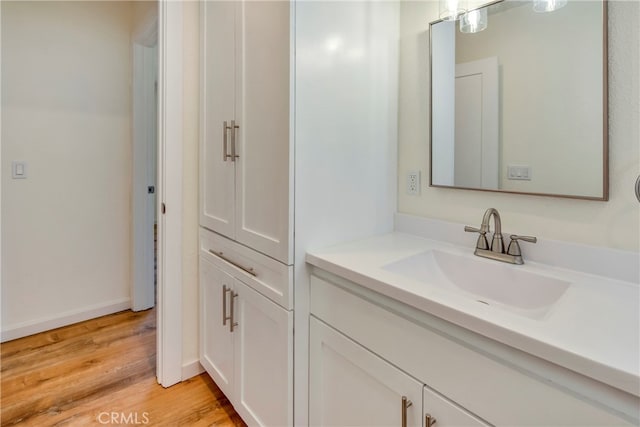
(263, 341)
(263, 169)
(218, 81)
(447, 413)
(350, 386)
(216, 342)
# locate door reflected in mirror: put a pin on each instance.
(521, 105)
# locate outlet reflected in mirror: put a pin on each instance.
(522, 105)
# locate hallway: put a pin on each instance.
(102, 372)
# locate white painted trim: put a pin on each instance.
(612, 263)
(292, 131)
(68, 318)
(170, 110)
(191, 369)
(1, 169)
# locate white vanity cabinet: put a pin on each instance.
(245, 191)
(469, 380)
(246, 346)
(350, 386)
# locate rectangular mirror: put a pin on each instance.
(521, 106)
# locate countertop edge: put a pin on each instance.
(606, 374)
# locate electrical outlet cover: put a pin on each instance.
(413, 182)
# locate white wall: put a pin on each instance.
(66, 112)
(346, 77)
(613, 224)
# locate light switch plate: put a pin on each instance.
(519, 172)
(18, 170)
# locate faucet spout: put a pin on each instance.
(497, 243)
(496, 250)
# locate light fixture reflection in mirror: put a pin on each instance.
(451, 10)
(548, 5)
(474, 21)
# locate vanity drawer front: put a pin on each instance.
(500, 391)
(271, 278)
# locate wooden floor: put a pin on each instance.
(102, 372)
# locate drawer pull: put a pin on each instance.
(227, 260)
(405, 404)
(429, 420)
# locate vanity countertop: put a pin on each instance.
(593, 329)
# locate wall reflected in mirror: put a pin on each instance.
(520, 105)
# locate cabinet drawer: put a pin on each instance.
(502, 391)
(266, 275)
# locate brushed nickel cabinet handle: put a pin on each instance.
(232, 323)
(406, 403)
(225, 128)
(220, 255)
(224, 304)
(429, 420)
(233, 128)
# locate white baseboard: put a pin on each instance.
(24, 329)
(191, 369)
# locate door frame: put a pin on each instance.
(169, 195)
(0, 164)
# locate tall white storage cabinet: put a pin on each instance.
(325, 75)
(245, 150)
(246, 276)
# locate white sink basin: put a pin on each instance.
(486, 281)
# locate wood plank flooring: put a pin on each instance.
(102, 372)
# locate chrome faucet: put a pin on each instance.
(496, 251)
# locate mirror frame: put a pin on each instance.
(605, 118)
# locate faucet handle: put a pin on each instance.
(529, 239)
(514, 247)
(482, 238)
